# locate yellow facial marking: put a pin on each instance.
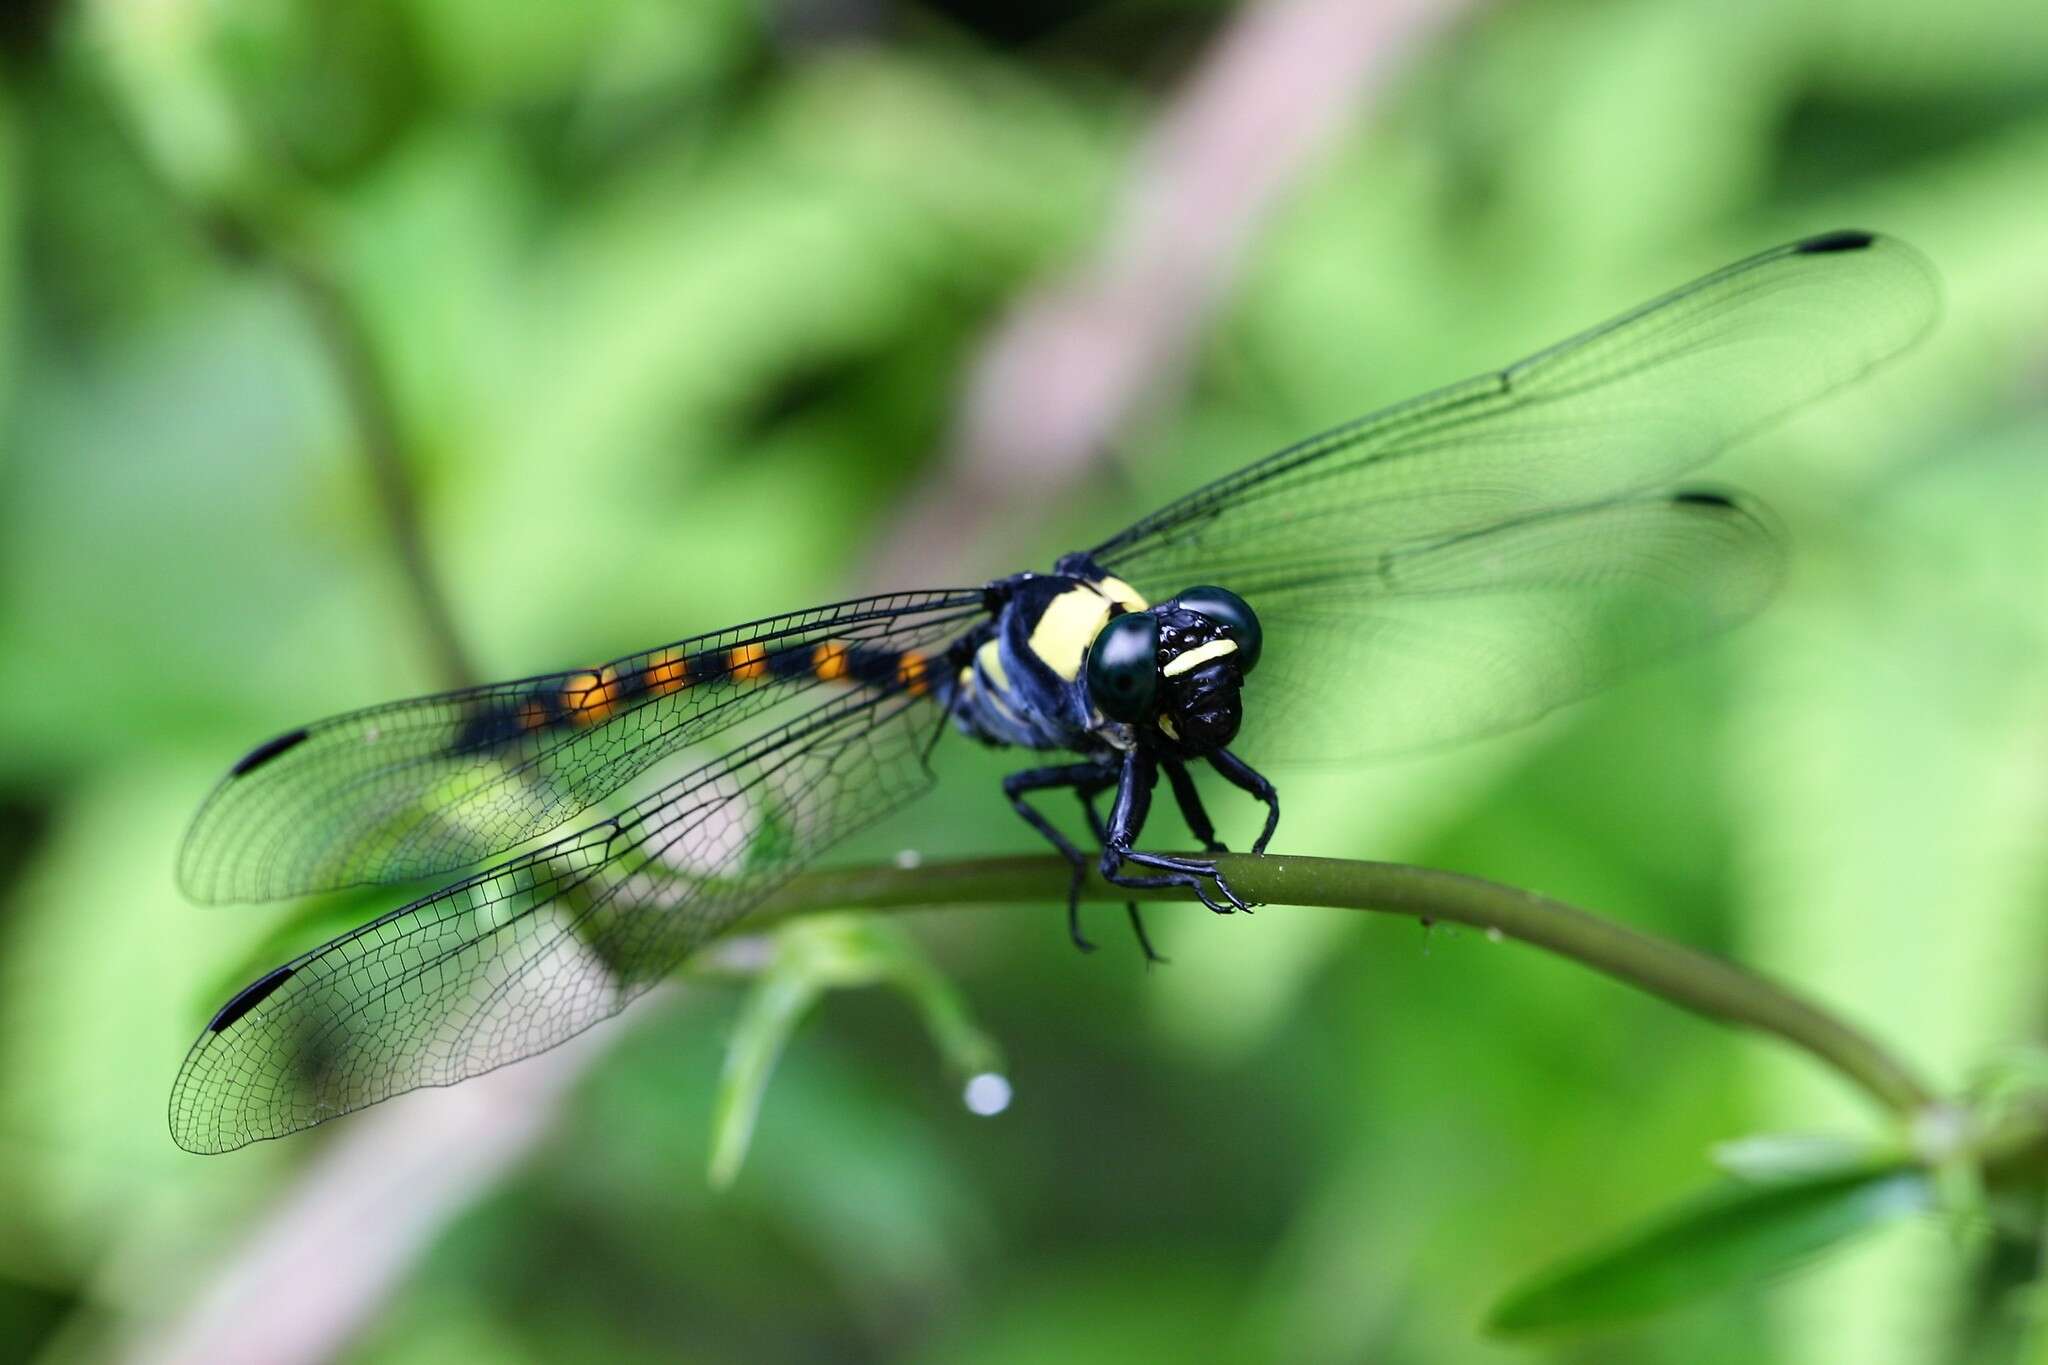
(1067, 628)
(828, 661)
(591, 697)
(666, 672)
(1121, 593)
(1197, 656)
(990, 657)
(911, 672)
(749, 662)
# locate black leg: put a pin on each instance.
(1190, 802)
(1063, 775)
(1101, 832)
(1127, 821)
(1088, 795)
(1241, 774)
(1144, 940)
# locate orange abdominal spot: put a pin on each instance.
(910, 671)
(532, 715)
(589, 697)
(828, 661)
(749, 662)
(666, 672)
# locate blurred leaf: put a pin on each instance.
(1768, 1158)
(1888, 842)
(1728, 1238)
(809, 958)
(778, 1002)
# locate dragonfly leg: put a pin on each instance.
(1076, 775)
(1101, 832)
(1241, 774)
(1190, 802)
(1127, 820)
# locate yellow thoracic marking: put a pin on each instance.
(749, 662)
(1121, 593)
(1166, 724)
(990, 658)
(828, 661)
(993, 663)
(1067, 628)
(1200, 654)
(666, 672)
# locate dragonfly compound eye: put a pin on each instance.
(1123, 666)
(1240, 623)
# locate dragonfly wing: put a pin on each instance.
(1630, 405)
(524, 956)
(416, 788)
(1489, 630)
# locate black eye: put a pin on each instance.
(1123, 666)
(1235, 615)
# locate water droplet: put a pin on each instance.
(909, 858)
(987, 1094)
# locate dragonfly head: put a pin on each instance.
(1178, 668)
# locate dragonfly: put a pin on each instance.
(1487, 552)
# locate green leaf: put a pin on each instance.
(1733, 1236)
(1771, 1158)
(777, 1004)
(839, 952)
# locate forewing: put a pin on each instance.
(415, 788)
(1627, 406)
(520, 958)
(1487, 630)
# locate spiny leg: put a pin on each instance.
(1241, 774)
(1062, 775)
(1190, 803)
(1127, 820)
(1101, 832)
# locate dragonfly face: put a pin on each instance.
(1476, 557)
(1173, 672)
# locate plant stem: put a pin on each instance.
(374, 412)
(1698, 981)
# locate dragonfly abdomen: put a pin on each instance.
(580, 700)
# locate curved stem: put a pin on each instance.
(374, 411)
(1698, 981)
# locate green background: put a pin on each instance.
(676, 306)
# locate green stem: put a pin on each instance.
(379, 436)
(1698, 981)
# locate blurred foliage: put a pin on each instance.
(1730, 1237)
(674, 303)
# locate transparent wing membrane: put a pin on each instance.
(1463, 548)
(520, 958)
(416, 788)
(1488, 630)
